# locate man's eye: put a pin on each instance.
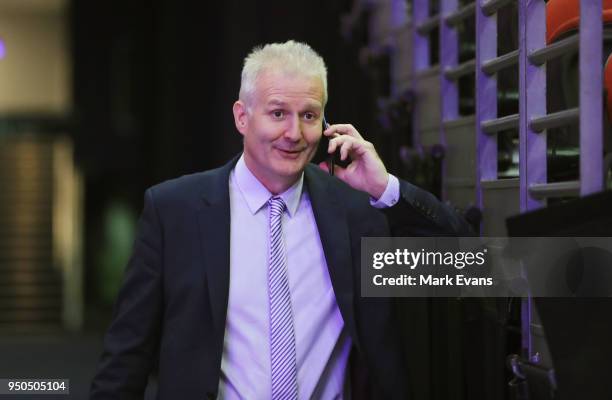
(277, 113)
(309, 116)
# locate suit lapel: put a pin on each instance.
(214, 225)
(332, 224)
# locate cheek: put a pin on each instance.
(313, 138)
(312, 133)
(263, 132)
(254, 146)
(257, 137)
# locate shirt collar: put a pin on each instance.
(255, 193)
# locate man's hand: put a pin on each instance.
(366, 172)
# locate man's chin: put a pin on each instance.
(290, 169)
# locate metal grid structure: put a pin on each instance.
(473, 139)
(533, 120)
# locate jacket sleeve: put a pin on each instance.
(419, 213)
(131, 342)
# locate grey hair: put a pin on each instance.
(289, 57)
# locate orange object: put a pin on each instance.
(608, 86)
(564, 15)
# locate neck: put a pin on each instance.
(275, 185)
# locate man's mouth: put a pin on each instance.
(290, 153)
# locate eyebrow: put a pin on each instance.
(275, 102)
(280, 103)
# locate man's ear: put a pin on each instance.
(240, 116)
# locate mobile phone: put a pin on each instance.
(330, 159)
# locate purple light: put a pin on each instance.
(2, 48)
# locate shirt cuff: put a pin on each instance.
(390, 196)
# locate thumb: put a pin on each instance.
(323, 166)
(340, 172)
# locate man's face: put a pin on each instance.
(281, 127)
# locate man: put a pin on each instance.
(244, 280)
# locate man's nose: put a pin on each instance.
(294, 129)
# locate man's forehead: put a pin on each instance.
(281, 86)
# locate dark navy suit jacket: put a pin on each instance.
(171, 309)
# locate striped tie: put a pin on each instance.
(282, 338)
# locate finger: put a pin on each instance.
(341, 129)
(331, 147)
(330, 133)
(345, 149)
(356, 148)
(335, 142)
(324, 167)
(344, 129)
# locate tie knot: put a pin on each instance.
(277, 206)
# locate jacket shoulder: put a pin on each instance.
(185, 190)
(355, 203)
(345, 193)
